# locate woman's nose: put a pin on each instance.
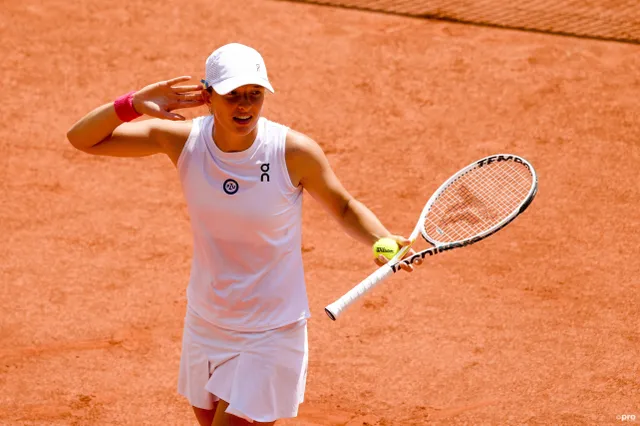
(245, 102)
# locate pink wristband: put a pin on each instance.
(124, 107)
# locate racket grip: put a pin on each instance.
(334, 309)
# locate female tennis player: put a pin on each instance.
(244, 353)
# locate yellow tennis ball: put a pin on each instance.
(385, 246)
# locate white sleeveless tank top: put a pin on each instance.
(246, 272)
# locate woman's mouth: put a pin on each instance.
(242, 119)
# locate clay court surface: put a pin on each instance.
(536, 325)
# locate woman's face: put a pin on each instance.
(239, 110)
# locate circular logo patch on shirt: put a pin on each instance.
(230, 186)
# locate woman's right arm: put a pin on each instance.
(102, 132)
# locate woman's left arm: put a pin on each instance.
(308, 166)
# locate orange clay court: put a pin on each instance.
(536, 325)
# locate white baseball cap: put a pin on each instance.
(234, 65)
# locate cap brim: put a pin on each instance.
(233, 83)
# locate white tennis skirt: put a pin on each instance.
(262, 375)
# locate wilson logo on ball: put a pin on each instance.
(384, 250)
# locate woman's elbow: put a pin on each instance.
(74, 138)
(79, 141)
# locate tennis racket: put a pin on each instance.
(474, 203)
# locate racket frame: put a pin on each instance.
(438, 246)
(393, 266)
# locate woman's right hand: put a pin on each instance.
(160, 99)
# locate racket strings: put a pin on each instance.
(514, 192)
(473, 215)
(477, 201)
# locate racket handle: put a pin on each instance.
(334, 309)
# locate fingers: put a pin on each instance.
(381, 260)
(402, 241)
(171, 116)
(180, 104)
(190, 97)
(405, 267)
(183, 89)
(178, 80)
(190, 104)
(154, 110)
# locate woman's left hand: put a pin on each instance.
(402, 241)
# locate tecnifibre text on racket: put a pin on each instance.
(474, 203)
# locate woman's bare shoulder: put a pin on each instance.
(298, 143)
(301, 153)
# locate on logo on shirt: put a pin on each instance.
(265, 172)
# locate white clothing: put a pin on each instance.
(246, 273)
(262, 375)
